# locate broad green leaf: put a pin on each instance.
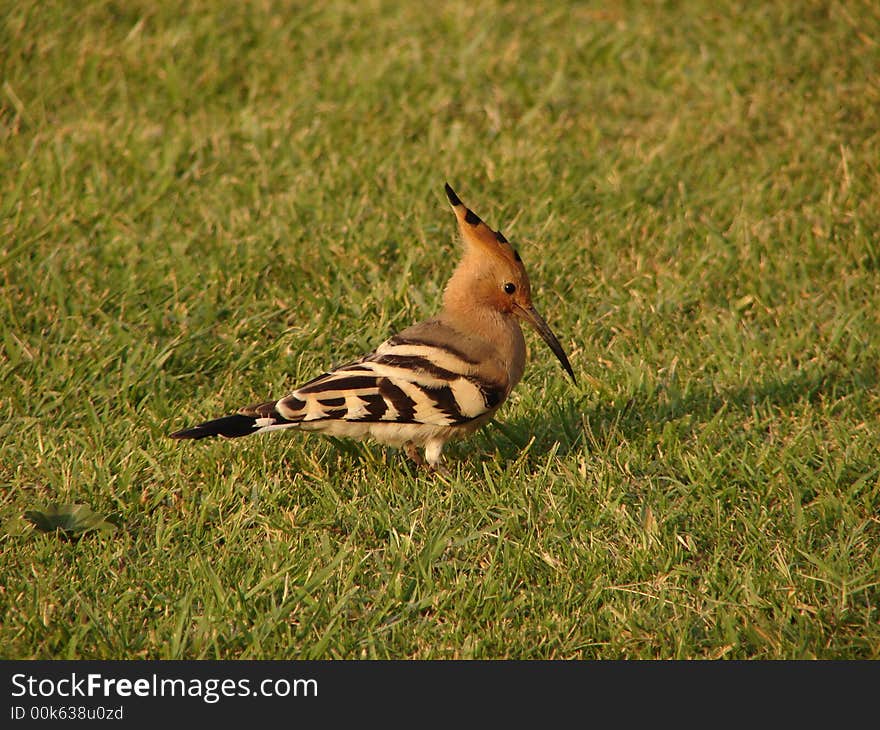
(71, 519)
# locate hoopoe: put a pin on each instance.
(437, 380)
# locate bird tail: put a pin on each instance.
(261, 417)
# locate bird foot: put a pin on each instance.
(439, 469)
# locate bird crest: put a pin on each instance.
(479, 236)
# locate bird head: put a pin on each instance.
(492, 274)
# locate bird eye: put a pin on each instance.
(509, 288)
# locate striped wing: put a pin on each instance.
(403, 381)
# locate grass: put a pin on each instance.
(204, 203)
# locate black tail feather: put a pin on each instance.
(229, 426)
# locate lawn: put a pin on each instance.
(204, 204)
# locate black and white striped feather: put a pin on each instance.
(397, 393)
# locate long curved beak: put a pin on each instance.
(531, 316)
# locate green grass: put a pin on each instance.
(202, 204)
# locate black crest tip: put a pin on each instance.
(500, 236)
(472, 218)
(450, 193)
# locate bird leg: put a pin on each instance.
(412, 452)
(416, 458)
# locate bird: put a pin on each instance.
(435, 381)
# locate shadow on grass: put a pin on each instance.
(649, 409)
